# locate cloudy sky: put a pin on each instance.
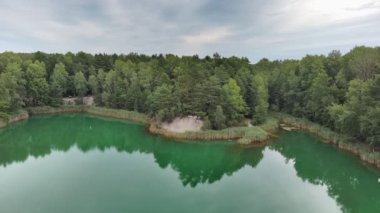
(275, 29)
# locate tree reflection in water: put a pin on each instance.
(195, 162)
(347, 180)
(354, 186)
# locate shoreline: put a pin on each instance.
(361, 150)
(19, 116)
(242, 135)
(245, 136)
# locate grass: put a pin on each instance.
(270, 124)
(253, 134)
(119, 114)
(43, 110)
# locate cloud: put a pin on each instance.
(207, 37)
(275, 29)
(365, 6)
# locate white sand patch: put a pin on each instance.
(68, 101)
(185, 124)
(88, 100)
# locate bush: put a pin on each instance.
(4, 116)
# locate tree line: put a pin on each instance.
(338, 91)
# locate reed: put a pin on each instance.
(118, 114)
(13, 118)
(301, 123)
(270, 124)
(111, 113)
(243, 135)
(44, 110)
(18, 116)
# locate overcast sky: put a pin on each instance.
(275, 29)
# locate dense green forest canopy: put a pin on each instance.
(338, 91)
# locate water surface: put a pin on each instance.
(79, 163)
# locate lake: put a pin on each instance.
(81, 163)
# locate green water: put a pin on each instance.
(77, 163)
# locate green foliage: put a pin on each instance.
(206, 123)
(13, 86)
(270, 124)
(235, 106)
(5, 100)
(253, 134)
(370, 125)
(37, 88)
(259, 103)
(362, 62)
(80, 84)
(219, 118)
(163, 102)
(233, 96)
(58, 83)
(320, 97)
(94, 85)
(338, 91)
(359, 115)
(135, 97)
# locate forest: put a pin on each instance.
(341, 92)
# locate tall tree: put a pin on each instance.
(80, 85)
(235, 105)
(259, 104)
(5, 100)
(163, 102)
(219, 121)
(37, 88)
(58, 83)
(320, 97)
(347, 116)
(363, 62)
(135, 96)
(13, 80)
